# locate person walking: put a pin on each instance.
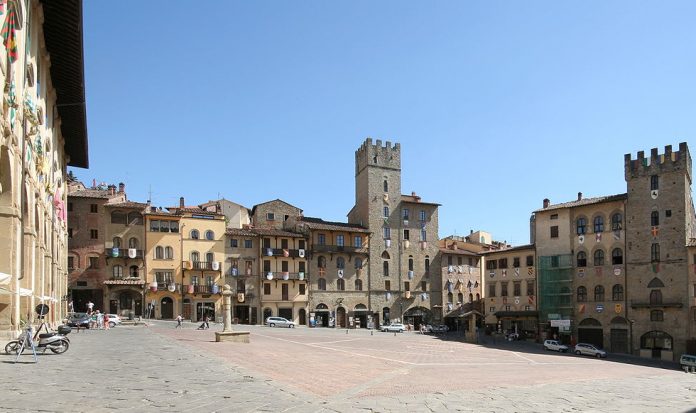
(106, 321)
(100, 320)
(207, 320)
(178, 321)
(90, 307)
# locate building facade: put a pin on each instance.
(42, 70)
(242, 274)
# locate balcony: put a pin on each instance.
(203, 289)
(285, 276)
(132, 253)
(338, 248)
(283, 252)
(202, 265)
(647, 304)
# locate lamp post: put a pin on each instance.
(181, 263)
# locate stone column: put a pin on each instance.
(227, 308)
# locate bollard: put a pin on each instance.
(372, 332)
(346, 331)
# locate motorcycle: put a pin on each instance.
(57, 342)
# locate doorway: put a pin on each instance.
(205, 310)
(241, 313)
(303, 317)
(285, 313)
(341, 317)
(167, 308)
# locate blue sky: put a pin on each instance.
(497, 105)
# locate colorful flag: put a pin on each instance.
(655, 231)
(531, 299)
(9, 35)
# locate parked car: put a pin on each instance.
(688, 363)
(78, 320)
(555, 345)
(589, 350)
(114, 320)
(279, 322)
(439, 329)
(393, 328)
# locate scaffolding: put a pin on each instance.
(555, 287)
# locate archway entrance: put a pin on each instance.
(130, 303)
(341, 317)
(619, 335)
(360, 316)
(323, 315)
(590, 331)
(167, 308)
(303, 317)
(417, 316)
(656, 342)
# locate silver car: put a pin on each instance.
(589, 350)
(393, 328)
(279, 322)
(555, 345)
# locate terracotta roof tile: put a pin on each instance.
(276, 232)
(91, 193)
(242, 232)
(416, 200)
(128, 204)
(318, 223)
(584, 201)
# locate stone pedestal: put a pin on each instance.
(234, 336)
(227, 334)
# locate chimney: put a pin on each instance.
(121, 188)
(181, 202)
(579, 196)
(112, 189)
(546, 202)
(94, 183)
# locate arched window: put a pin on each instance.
(616, 256)
(135, 218)
(118, 271)
(616, 222)
(358, 284)
(133, 271)
(427, 264)
(450, 298)
(655, 297)
(169, 253)
(617, 292)
(340, 284)
(209, 235)
(159, 253)
(460, 298)
(133, 243)
(340, 262)
(385, 255)
(410, 263)
(118, 217)
(599, 293)
(386, 186)
(654, 218)
(209, 257)
(195, 234)
(581, 225)
(117, 242)
(598, 224)
(656, 339)
(598, 258)
(385, 268)
(385, 212)
(471, 298)
(321, 284)
(195, 257)
(582, 294)
(321, 262)
(582, 259)
(358, 263)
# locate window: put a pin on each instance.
(491, 310)
(504, 289)
(508, 307)
(449, 260)
(502, 263)
(450, 298)
(554, 231)
(599, 293)
(71, 263)
(386, 232)
(491, 290)
(340, 263)
(154, 224)
(358, 285)
(303, 289)
(517, 288)
(459, 261)
(163, 277)
(385, 186)
(407, 286)
(93, 208)
(385, 268)
(340, 240)
(404, 214)
(581, 226)
(582, 294)
(270, 216)
(93, 262)
(616, 222)
(358, 263)
(321, 261)
(554, 216)
(654, 182)
(301, 244)
(385, 212)
(387, 285)
(599, 224)
(655, 253)
(340, 284)
(117, 242)
(617, 292)
(530, 287)
(209, 235)
(322, 239)
(491, 265)
(159, 253)
(266, 266)
(286, 217)
(194, 280)
(209, 257)
(616, 256)
(424, 235)
(117, 271)
(654, 218)
(655, 297)
(424, 286)
(427, 264)
(668, 213)
(460, 298)
(132, 242)
(656, 315)
(598, 258)
(266, 289)
(135, 218)
(248, 243)
(234, 243)
(70, 234)
(407, 234)
(422, 216)
(410, 263)
(195, 257)
(516, 262)
(582, 259)
(284, 243)
(357, 241)
(174, 225)
(195, 234)
(93, 233)
(301, 266)
(530, 260)
(120, 218)
(168, 253)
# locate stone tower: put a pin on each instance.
(659, 223)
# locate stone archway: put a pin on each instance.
(167, 308)
(341, 317)
(590, 331)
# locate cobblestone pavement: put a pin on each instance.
(160, 368)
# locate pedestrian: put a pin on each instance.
(207, 319)
(100, 320)
(106, 322)
(90, 306)
(178, 321)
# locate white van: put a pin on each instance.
(688, 363)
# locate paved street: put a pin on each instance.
(160, 368)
